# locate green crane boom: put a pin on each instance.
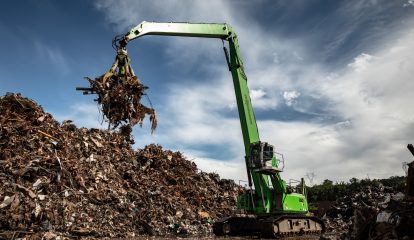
(270, 204)
(212, 30)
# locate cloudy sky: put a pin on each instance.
(331, 81)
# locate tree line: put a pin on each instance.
(330, 191)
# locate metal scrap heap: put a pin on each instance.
(60, 180)
(373, 212)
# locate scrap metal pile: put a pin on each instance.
(374, 212)
(60, 180)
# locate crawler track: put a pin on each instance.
(279, 227)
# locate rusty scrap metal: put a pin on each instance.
(119, 96)
(92, 183)
(374, 212)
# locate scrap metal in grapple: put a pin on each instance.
(119, 95)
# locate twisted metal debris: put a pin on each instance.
(374, 212)
(120, 99)
(58, 180)
(119, 94)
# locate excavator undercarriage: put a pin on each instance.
(268, 226)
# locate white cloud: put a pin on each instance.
(377, 102)
(361, 62)
(409, 3)
(262, 100)
(257, 93)
(290, 97)
(193, 117)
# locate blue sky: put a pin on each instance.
(331, 81)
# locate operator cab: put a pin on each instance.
(262, 158)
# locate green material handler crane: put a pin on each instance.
(270, 209)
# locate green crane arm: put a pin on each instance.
(207, 30)
(244, 105)
(212, 30)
